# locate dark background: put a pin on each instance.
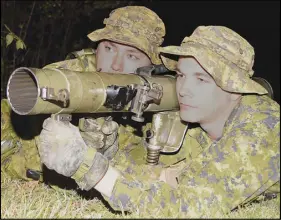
(57, 28)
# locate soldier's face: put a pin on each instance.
(119, 58)
(201, 100)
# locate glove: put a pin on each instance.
(101, 134)
(62, 149)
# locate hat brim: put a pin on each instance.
(125, 36)
(226, 74)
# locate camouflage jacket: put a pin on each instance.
(217, 175)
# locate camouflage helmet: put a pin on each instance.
(223, 53)
(135, 26)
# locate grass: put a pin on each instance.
(20, 199)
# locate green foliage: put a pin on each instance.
(9, 39)
(20, 45)
(6, 64)
(12, 36)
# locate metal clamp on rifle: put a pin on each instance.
(47, 93)
(144, 96)
(62, 117)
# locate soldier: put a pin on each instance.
(229, 160)
(129, 40)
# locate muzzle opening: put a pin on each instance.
(22, 90)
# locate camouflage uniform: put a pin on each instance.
(215, 175)
(136, 26)
(238, 167)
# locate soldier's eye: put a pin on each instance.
(132, 57)
(108, 48)
(202, 80)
